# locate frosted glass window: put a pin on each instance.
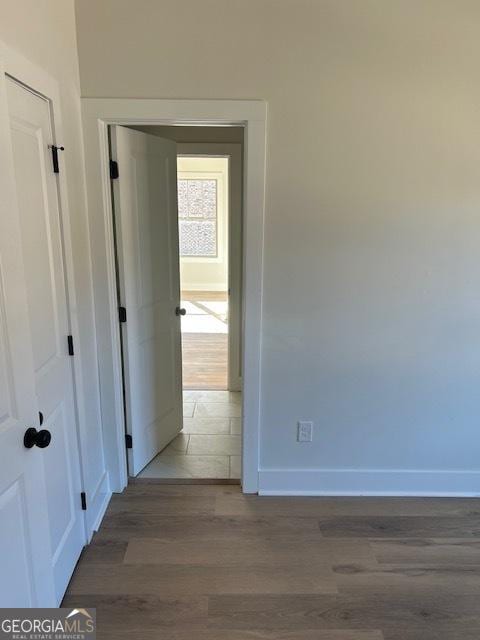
(197, 214)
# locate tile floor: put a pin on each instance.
(209, 445)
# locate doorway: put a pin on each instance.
(182, 253)
(250, 115)
(203, 213)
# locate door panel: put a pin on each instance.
(16, 548)
(147, 246)
(26, 576)
(28, 144)
(38, 205)
(60, 504)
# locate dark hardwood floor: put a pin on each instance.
(188, 562)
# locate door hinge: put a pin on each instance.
(128, 441)
(113, 169)
(71, 350)
(122, 314)
(83, 498)
(55, 151)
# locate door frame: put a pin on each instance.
(98, 114)
(37, 80)
(232, 151)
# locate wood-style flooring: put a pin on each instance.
(203, 562)
(204, 355)
(204, 358)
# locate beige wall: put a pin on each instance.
(372, 239)
(44, 32)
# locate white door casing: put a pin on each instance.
(100, 113)
(41, 236)
(26, 576)
(146, 222)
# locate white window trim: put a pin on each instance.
(220, 222)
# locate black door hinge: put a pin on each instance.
(71, 350)
(55, 151)
(83, 498)
(128, 441)
(113, 169)
(122, 314)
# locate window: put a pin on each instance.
(197, 214)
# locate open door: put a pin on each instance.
(146, 221)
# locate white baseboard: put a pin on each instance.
(351, 482)
(205, 286)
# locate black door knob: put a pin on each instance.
(180, 312)
(34, 438)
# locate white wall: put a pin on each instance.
(208, 274)
(372, 240)
(44, 32)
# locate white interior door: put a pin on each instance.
(26, 577)
(38, 207)
(145, 204)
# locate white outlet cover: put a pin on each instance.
(305, 431)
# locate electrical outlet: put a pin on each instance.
(304, 431)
